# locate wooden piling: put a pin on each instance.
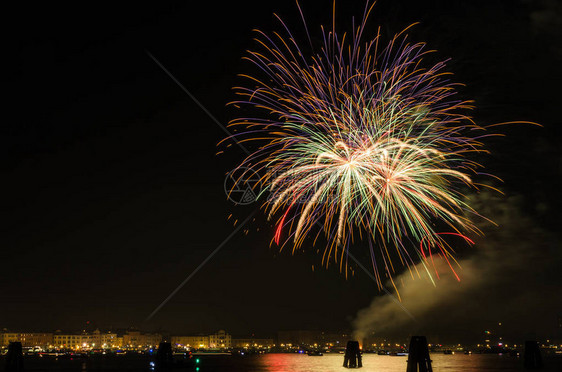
(533, 358)
(164, 356)
(418, 355)
(352, 357)
(14, 357)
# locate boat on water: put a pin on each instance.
(211, 353)
(315, 353)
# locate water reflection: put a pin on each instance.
(292, 363)
(384, 363)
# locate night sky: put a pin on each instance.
(113, 192)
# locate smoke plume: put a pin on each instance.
(509, 277)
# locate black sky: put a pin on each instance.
(113, 193)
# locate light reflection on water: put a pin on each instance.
(290, 363)
(384, 363)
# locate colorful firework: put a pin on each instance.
(359, 141)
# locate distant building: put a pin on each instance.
(102, 340)
(252, 342)
(220, 340)
(195, 342)
(73, 341)
(153, 339)
(106, 340)
(27, 339)
(83, 340)
(137, 339)
(7, 337)
(36, 339)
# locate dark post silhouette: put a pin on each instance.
(352, 357)
(14, 357)
(164, 356)
(418, 355)
(533, 358)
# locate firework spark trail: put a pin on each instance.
(362, 139)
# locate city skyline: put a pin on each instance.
(491, 340)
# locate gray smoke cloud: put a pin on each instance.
(511, 275)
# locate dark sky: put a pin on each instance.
(113, 193)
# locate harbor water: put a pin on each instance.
(290, 363)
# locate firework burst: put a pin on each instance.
(359, 141)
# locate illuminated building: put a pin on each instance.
(36, 339)
(27, 339)
(107, 340)
(83, 340)
(137, 339)
(73, 341)
(8, 337)
(110, 340)
(220, 340)
(153, 339)
(98, 340)
(195, 342)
